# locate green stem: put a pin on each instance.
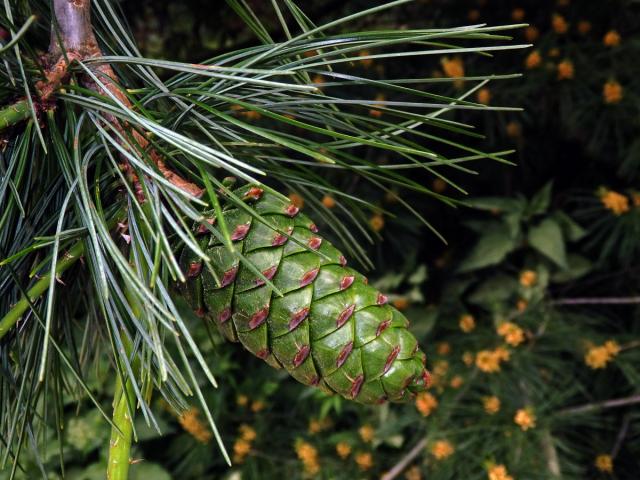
(16, 312)
(15, 113)
(121, 433)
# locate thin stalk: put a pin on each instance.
(15, 113)
(121, 433)
(41, 286)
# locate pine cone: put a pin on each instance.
(329, 329)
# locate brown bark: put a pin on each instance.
(75, 40)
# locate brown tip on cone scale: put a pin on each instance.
(269, 273)
(382, 327)
(301, 356)
(314, 228)
(346, 281)
(254, 193)
(258, 318)
(309, 277)
(343, 261)
(240, 232)
(225, 315)
(344, 354)
(229, 276)
(262, 354)
(391, 358)
(345, 315)
(298, 317)
(291, 210)
(356, 385)
(382, 299)
(194, 269)
(314, 243)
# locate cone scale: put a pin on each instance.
(329, 328)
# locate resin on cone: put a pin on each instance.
(328, 329)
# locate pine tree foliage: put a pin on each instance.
(108, 159)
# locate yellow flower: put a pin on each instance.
(456, 382)
(512, 333)
(554, 52)
(517, 14)
(528, 278)
(413, 473)
(484, 96)
(364, 460)
(612, 347)
(343, 449)
(514, 129)
(453, 67)
(366, 433)
(559, 24)
(376, 222)
(247, 433)
(309, 457)
(194, 426)
(612, 39)
(374, 112)
(467, 323)
(242, 400)
(612, 92)
(521, 305)
(636, 199)
(565, 70)
(444, 348)
(531, 33)
(525, 419)
(534, 60)
(614, 201)
(467, 358)
(489, 360)
(499, 472)
(491, 404)
(604, 463)
(365, 62)
(426, 403)
(584, 27)
(257, 406)
(314, 426)
(241, 449)
(328, 201)
(296, 199)
(442, 449)
(598, 357)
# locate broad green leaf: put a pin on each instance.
(577, 267)
(497, 204)
(572, 231)
(540, 201)
(491, 249)
(547, 239)
(494, 291)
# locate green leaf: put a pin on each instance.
(494, 291)
(491, 249)
(540, 201)
(572, 231)
(497, 204)
(577, 267)
(547, 239)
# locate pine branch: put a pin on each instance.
(18, 310)
(14, 113)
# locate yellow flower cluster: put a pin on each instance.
(442, 449)
(484, 96)
(612, 92)
(453, 67)
(512, 333)
(598, 357)
(296, 199)
(533, 60)
(612, 39)
(525, 419)
(489, 360)
(467, 358)
(467, 323)
(559, 24)
(498, 472)
(317, 426)
(491, 404)
(367, 433)
(565, 70)
(413, 473)
(440, 369)
(426, 403)
(374, 112)
(309, 457)
(364, 460)
(456, 382)
(614, 201)
(528, 278)
(376, 222)
(444, 348)
(604, 463)
(584, 27)
(194, 426)
(343, 449)
(328, 201)
(242, 445)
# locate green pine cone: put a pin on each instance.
(329, 329)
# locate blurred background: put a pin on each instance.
(529, 314)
